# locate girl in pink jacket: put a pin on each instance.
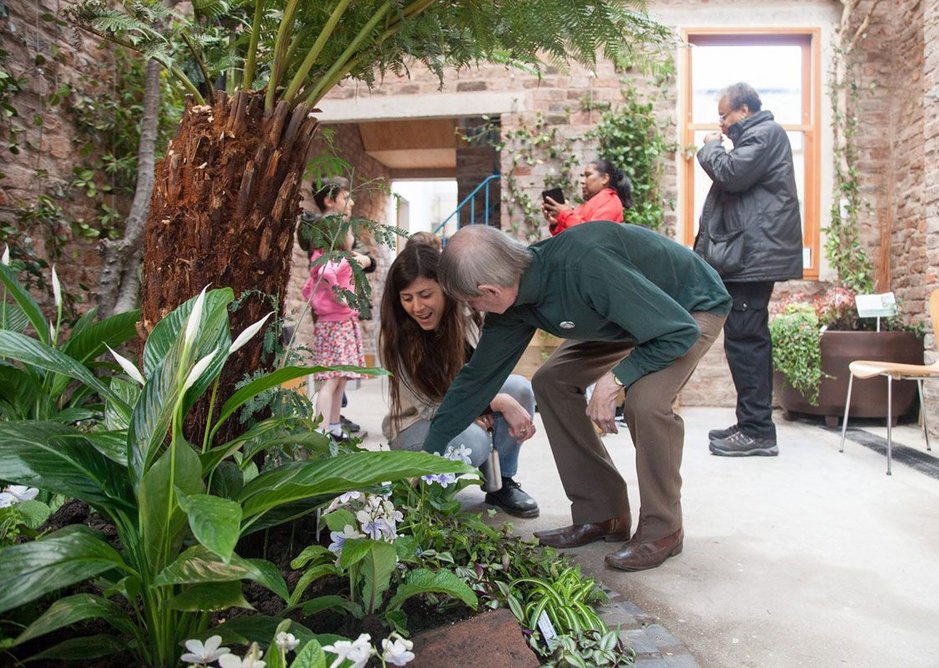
(336, 336)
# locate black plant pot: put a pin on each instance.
(869, 397)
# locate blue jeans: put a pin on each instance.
(477, 439)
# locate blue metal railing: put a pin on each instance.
(471, 200)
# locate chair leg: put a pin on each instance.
(847, 407)
(889, 422)
(922, 411)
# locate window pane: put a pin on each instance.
(775, 71)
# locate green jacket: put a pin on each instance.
(599, 281)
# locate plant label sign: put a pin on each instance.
(546, 627)
(876, 306)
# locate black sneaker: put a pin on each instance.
(739, 444)
(349, 426)
(718, 434)
(513, 500)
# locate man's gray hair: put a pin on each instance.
(740, 94)
(481, 255)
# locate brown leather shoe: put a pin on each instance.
(575, 535)
(638, 555)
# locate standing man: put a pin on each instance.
(639, 311)
(750, 231)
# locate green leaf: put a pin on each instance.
(331, 602)
(199, 565)
(25, 302)
(310, 655)
(31, 570)
(323, 479)
(171, 327)
(78, 607)
(245, 629)
(30, 351)
(89, 343)
(33, 512)
(13, 317)
(161, 519)
(215, 522)
(209, 597)
(338, 519)
(308, 577)
(376, 561)
(57, 458)
(111, 444)
(423, 581)
(83, 649)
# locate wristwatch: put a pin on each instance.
(617, 380)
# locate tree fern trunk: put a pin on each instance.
(223, 213)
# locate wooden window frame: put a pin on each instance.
(809, 39)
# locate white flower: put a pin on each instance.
(197, 370)
(22, 492)
(128, 366)
(246, 335)
(253, 660)
(341, 500)
(459, 454)
(6, 255)
(195, 317)
(13, 494)
(358, 651)
(340, 537)
(204, 653)
(56, 288)
(286, 641)
(397, 650)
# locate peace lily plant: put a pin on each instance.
(178, 507)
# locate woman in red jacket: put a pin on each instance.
(606, 190)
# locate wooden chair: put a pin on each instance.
(895, 371)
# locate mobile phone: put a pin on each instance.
(554, 193)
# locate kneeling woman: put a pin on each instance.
(426, 338)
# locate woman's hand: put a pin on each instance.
(602, 405)
(484, 421)
(550, 208)
(521, 426)
(363, 261)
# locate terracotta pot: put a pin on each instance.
(869, 397)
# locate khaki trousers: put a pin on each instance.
(591, 481)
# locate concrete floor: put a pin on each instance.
(812, 558)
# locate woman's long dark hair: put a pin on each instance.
(618, 181)
(428, 360)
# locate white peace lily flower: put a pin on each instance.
(6, 255)
(204, 653)
(22, 492)
(248, 332)
(397, 650)
(127, 365)
(7, 500)
(51, 332)
(286, 641)
(56, 288)
(195, 317)
(197, 370)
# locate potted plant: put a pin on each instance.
(815, 338)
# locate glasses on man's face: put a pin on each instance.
(721, 117)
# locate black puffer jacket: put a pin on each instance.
(750, 228)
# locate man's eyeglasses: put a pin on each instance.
(721, 117)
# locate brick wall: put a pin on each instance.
(47, 56)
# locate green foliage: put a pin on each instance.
(22, 520)
(589, 649)
(797, 352)
(43, 378)
(176, 525)
(843, 247)
(298, 51)
(633, 138)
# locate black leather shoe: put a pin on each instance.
(349, 425)
(612, 530)
(513, 500)
(638, 555)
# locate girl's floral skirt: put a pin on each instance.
(336, 343)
